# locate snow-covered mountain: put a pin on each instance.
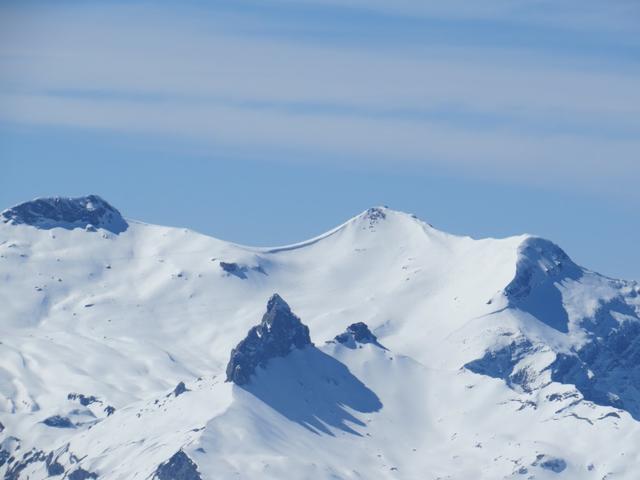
(382, 349)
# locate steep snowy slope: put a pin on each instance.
(496, 358)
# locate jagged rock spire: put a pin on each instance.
(279, 332)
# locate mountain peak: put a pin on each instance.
(376, 214)
(279, 332)
(89, 212)
(380, 216)
(538, 261)
(276, 302)
(540, 267)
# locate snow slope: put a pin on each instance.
(501, 359)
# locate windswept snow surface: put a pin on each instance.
(497, 358)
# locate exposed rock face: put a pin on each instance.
(178, 467)
(605, 370)
(541, 266)
(374, 216)
(539, 260)
(88, 212)
(357, 333)
(18, 464)
(21, 465)
(504, 363)
(15, 468)
(279, 332)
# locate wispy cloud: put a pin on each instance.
(592, 15)
(296, 80)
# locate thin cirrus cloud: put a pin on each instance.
(592, 15)
(239, 77)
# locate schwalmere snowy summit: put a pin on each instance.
(383, 349)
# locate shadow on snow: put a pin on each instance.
(314, 390)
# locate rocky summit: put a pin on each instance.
(279, 332)
(89, 212)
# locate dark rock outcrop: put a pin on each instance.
(375, 214)
(553, 464)
(4, 456)
(279, 332)
(179, 390)
(234, 269)
(82, 474)
(17, 463)
(178, 467)
(83, 399)
(54, 469)
(240, 271)
(15, 468)
(372, 217)
(88, 212)
(357, 333)
(502, 363)
(58, 421)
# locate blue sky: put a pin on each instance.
(268, 122)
